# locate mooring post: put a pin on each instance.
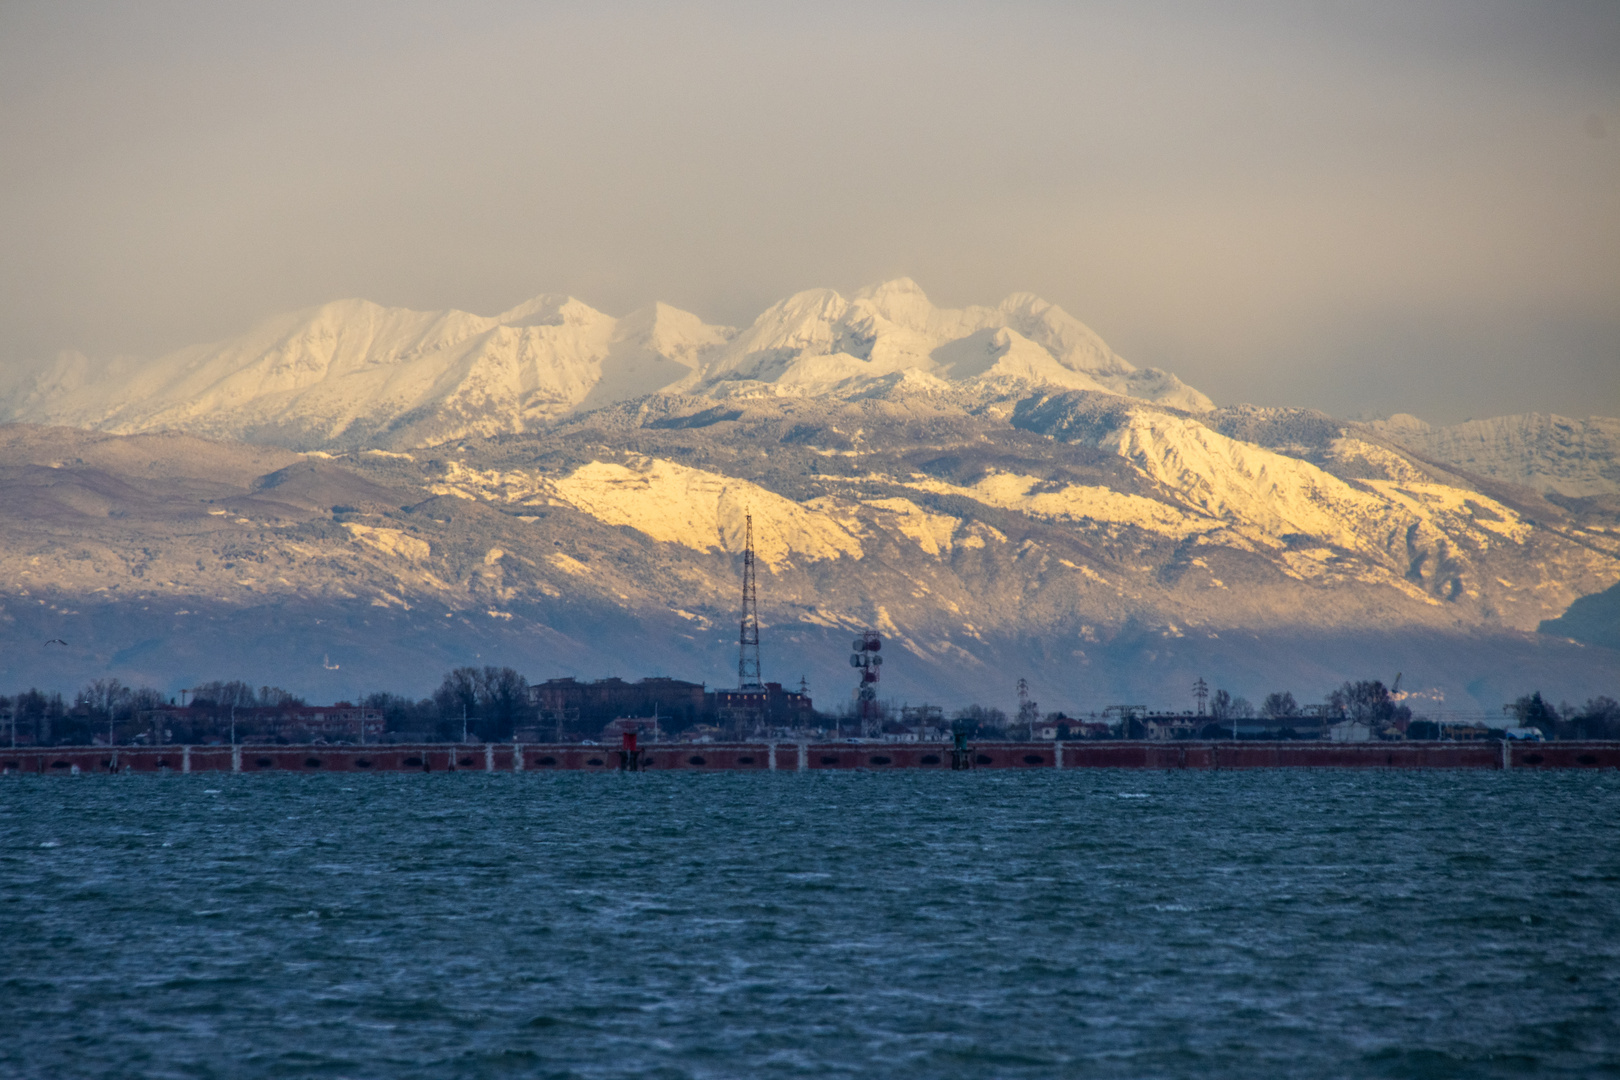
(1057, 757)
(804, 756)
(770, 754)
(1507, 755)
(185, 759)
(489, 757)
(517, 757)
(236, 758)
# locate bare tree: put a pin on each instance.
(1279, 706)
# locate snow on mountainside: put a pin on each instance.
(817, 342)
(1100, 545)
(975, 482)
(1575, 458)
(351, 373)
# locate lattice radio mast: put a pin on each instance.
(748, 677)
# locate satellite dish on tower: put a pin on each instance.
(864, 660)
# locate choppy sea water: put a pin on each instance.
(1087, 923)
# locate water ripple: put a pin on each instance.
(1296, 923)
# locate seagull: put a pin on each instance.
(56, 641)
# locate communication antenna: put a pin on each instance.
(1200, 690)
(748, 677)
(865, 658)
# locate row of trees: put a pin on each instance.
(1367, 701)
(488, 703)
(492, 703)
(1599, 718)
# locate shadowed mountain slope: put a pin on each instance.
(1098, 546)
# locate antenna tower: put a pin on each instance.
(748, 638)
(865, 658)
(1200, 690)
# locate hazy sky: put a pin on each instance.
(1352, 206)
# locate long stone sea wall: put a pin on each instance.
(799, 756)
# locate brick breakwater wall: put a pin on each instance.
(793, 756)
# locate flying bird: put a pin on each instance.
(56, 641)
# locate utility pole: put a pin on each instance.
(464, 722)
(233, 723)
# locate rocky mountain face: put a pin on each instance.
(358, 498)
(1106, 548)
(1557, 456)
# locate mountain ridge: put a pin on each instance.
(1063, 528)
(351, 373)
(988, 486)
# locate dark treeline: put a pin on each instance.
(490, 704)
(1281, 716)
(491, 701)
(493, 704)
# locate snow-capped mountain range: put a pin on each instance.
(352, 373)
(989, 486)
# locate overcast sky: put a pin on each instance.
(1356, 207)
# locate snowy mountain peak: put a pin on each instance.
(548, 309)
(352, 373)
(818, 343)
